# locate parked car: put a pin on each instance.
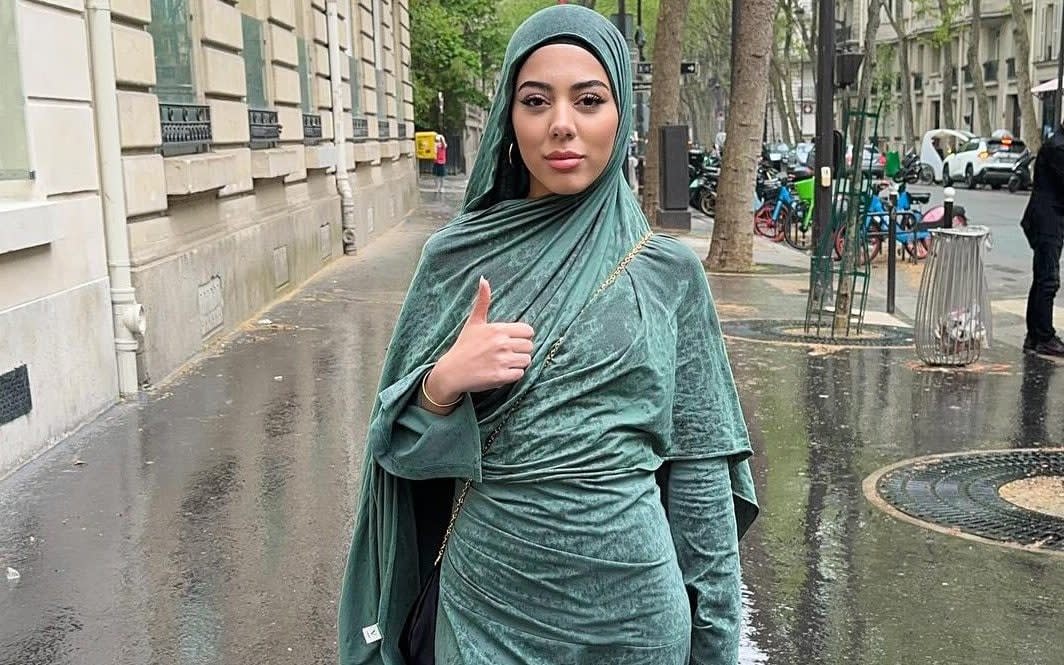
(984, 161)
(872, 160)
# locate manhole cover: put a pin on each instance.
(763, 269)
(961, 494)
(793, 332)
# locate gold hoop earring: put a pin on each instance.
(510, 154)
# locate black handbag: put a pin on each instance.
(417, 640)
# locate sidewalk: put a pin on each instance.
(1009, 326)
(207, 522)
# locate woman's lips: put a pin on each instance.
(564, 163)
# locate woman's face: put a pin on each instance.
(565, 118)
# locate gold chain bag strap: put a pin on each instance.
(417, 640)
(460, 501)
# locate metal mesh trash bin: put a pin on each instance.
(953, 319)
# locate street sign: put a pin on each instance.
(644, 68)
(640, 86)
(688, 67)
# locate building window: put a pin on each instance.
(305, 82)
(1050, 36)
(993, 46)
(356, 85)
(254, 63)
(14, 150)
(173, 51)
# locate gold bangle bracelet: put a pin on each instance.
(428, 398)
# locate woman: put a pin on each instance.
(590, 366)
(439, 165)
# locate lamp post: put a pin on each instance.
(825, 127)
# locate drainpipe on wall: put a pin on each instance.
(127, 314)
(343, 181)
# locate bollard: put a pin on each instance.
(892, 238)
(947, 218)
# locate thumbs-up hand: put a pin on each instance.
(484, 357)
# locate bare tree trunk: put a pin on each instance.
(868, 68)
(665, 95)
(732, 248)
(906, 78)
(775, 80)
(948, 78)
(792, 106)
(976, 68)
(786, 79)
(1032, 132)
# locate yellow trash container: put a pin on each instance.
(425, 143)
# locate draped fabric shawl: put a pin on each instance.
(544, 259)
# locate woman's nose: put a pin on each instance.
(562, 125)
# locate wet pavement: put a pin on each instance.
(208, 522)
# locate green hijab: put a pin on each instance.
(544, 259)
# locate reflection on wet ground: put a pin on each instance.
(834, 580)
(208, 522)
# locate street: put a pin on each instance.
(207, 522)
(1009, 261)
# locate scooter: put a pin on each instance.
(1021, 173)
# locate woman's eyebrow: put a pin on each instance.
(583, 85)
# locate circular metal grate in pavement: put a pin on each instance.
(959, 494)
(793, 332)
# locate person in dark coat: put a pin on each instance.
(1043, 225)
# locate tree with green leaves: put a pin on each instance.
(707, 40)
(456, 47)
(904, 43)
(946, 12)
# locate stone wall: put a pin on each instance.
(218, 228)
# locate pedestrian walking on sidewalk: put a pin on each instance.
(1043, 225)
(439, 165)
(570, 364)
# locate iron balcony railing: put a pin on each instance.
(360, 128)
(186, 128)
(264, 128)
(311, 128)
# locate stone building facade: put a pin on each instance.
(997, 60)
(170, 167)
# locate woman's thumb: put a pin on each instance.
(482, 303)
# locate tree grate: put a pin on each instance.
(961, 492)
(794, 332)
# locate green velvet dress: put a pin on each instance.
(603, 525)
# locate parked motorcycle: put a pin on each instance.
(911, 170)
(1021, 173)
(702, 190)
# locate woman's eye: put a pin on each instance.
(591, 100)
(534, 101)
